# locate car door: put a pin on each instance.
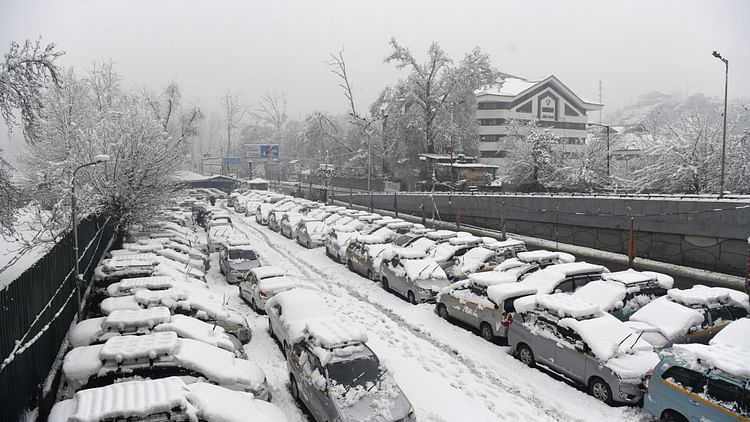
(314, 384)
(545, 341)
(571, 354)
(471, 307)
(455, 303)
(723, 399)
(276, 320)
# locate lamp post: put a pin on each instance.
(78, 279)
(724, 133)
(607, 127)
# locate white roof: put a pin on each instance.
(134, 347)
(547, 279)
(238, 241)
(499, 293)
(406, 253)
(474, 258)
(381, 235)
(465, 240)
(423, 269)
(193, 328)
(605, 334)
(508, 86)
(331, 332)
(123, 319)
(631, 276)
(300, 304)
(156, 282)
(490, 278)
(440, 234)
(608, 295)
(730, 358)
(268, 271)
(703, 295)
(736, 332)
(542, 255)
(564, 305)
(669, 318)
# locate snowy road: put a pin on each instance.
(448, 373)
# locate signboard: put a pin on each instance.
(232, 161)
(269, 150)
(548, 109)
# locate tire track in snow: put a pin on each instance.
(478, 371)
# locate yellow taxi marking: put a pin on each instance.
(704, 401)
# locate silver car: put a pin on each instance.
(338, 378)
(418, 280)
(587, 346)
(236, 260)
(311, 234)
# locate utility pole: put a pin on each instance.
(600, 101)
(724, 133)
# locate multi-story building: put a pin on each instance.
(513, 100)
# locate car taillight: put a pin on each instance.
(644, 386)
(262, 294)
(506, 319)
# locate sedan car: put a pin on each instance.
(236, 260)
(311, 234)
(418, 280)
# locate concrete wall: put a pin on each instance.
(700, 233)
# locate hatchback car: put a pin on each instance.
(236, 260)
(311, 234)
(418, 280)
(289, 311)
(587, 346)
(338, 378)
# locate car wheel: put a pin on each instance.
(349, 265)
(308, 245)
(293, 387)
(410, 297)
(369, 274)
(253, 306)
(672, 416)
(442, 311)
(485, 330)
(526, 356)
(600, 390)
(384, 284)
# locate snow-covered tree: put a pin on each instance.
(234, 113)
(532, 160)
(584, 172)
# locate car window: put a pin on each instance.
(566, 286)
(745, 406)
(508, 305)
(688, 379)
(242, 254)
(547, 326)
(724, 393)
(479, 290)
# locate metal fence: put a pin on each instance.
(36, 311)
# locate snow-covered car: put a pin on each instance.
(182, 258)
(364, 248)
(157, 399)
(339, 378)
(236, 260)
(311, 234)
(417, 279)
(201, 304)
(218, 235)
(118, 267)
(288, 225)
(467, 301)
(559, 278)
(525, 263)
(446, 253)
(151, 320)
(624, 292)
(338, 240)
(267, 288)
(703, 382)
(584, 344)
(472, 261)
(289, 311)
(251, 279)
(159, 355)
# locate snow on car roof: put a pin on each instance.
(134, 347)
(423, 269)
(544, 256)
(669, 318)
(268, 271)
(564, 305)
(126, 318)
(730, 358)
(490, 278)
(238, 241)
(300, 303)
(155, 282)
(111, 304)
(631, 276)
(422, 243)
(608, 295)
(379, 236)
(407, 253)
(193, 328)
(331, 332)
(315, 226)
(474, 258)
(604, 334)
(465, 240)
(703, 295)
(399, 225)
(214, 403)
(277, 284)
(441, 234)
(736, 332)
(547, 279)
(134, 260)
(132, 399)
(499, 293)
(153, 297)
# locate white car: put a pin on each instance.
(289, 311)
(269, 287)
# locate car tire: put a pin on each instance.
(672, 416)
(442, 311)
(525, 355)
(349, 265)
(411, 298)
(600, 390)
(253, 306)
(308, 245)
(294, 388)
(384, 284)
(369, 274)
(485, 330)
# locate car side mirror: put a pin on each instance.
(580, 346)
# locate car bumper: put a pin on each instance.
(424, 296)
(628, 393)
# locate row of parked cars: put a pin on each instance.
(606, 331)
(155, 343)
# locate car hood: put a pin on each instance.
(435, 284)
(243, 265)
(386, 403)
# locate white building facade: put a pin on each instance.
(549, 102)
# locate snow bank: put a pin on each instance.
(736, 333)
(605, 334)
(671, 319)
(608, 295)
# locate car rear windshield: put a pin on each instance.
(241, 254)
(351, 373)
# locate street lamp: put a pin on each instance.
(78, 279)
(724, 133)
(604, 126)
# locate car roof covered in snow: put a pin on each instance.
(729, 358)
(561, 305)
(441, 234)
(608, 295)
(669, 318)
(300, 303)
(490, 278)
(268, 271)
(542, 255)
(545, 280)
(332, 332)
(631, 277)
(736, 332)
(607, 336)
(465, 240)
(131, 318)
(700, 295)
(501, 292)
(423, 269)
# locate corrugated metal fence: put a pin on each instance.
(35, 314)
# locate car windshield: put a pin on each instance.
(241, 254)
(351, 373)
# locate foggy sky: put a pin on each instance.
(250, 47)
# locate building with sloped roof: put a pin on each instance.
(513, 100)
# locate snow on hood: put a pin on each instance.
(382, 402)
(633, 366)
(671, 319)
(474, 258)
(605, 334)
(736, 333)
(382, 235)
(423, 269)
(343, 238)
(608, 295)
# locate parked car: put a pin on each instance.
(159, 355)
(267, 288)
(217, 235)
(251, 279)
(289, 311)
(235, 260)
(339, 378)
(311, 234)
(362, 250)
(157, 399)
(587, 346)
(417, 279)
(467, 301)
(148, 321)
(338, 240)
(696, 382)
(288, 225)
(525, 263)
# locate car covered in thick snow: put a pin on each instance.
(236, 259)
(288, 224)
(164, 399)
(584, 344)
(151, 320)
(266, 288)
(337, 376)
(311, 234)
(289, 311)
(159, 355)
(412, 275)
(363, 250)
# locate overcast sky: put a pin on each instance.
(250, 47)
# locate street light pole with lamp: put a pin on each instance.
(74, 218)
(608, 148)
(724, 133)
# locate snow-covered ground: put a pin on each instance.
(448, 373)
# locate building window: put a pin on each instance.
(526, 108)
(491, 106)
(490, 138)
(491, 122)
(493, 154)
(570, 112)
